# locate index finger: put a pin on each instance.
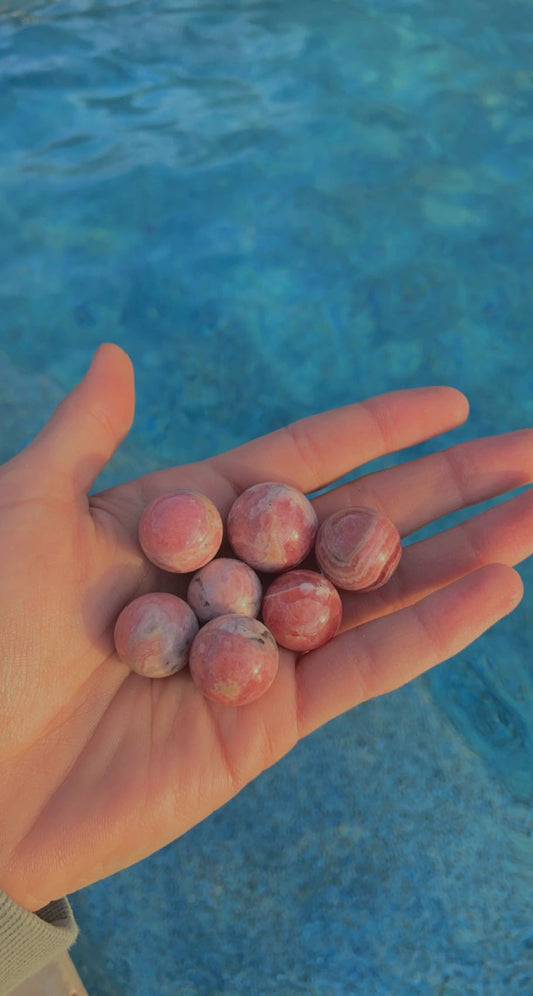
(315, 451)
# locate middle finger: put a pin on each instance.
(416, 493)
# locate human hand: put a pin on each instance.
(100, 767)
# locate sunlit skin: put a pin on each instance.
(99, 766)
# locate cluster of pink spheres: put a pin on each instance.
(271, 528)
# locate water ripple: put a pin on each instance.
(489, 701)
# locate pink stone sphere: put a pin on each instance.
(234, 659)
(302, 610)
(358, 549)
(272, 526)
(180, 531)
(154, 633)
(224, 586)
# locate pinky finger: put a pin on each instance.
(386, 653)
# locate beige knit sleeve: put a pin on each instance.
(28, 941)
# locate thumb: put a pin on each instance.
(91, 421)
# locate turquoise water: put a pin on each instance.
(277, 208)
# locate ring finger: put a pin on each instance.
(503, 535)
(416, 493)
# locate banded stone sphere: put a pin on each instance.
(358, 548)
(272, 526)
(180, 531)
(233, 659)
(302, 610)
(224, 586)
(154, 633)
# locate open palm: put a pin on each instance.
(100, 767)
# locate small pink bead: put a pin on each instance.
(272, 526)
(302, 610)
(154, 633)
(180, 531)
(224, 586)
(358, 548)
(233, 659)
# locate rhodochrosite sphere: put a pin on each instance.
(180, 531)
(154, 633)
(222, 586)
(233, 659)
(272, 526)
(302, 610)
(358, 549)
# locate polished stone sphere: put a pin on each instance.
(180, 531)
(302, 610)
(224, 586)
(233, 659)
(272, 526)
(358, 548)
(153, 634)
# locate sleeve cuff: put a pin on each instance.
(29, 941)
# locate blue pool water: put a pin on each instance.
(276, 208)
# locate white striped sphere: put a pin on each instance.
(358, 549)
